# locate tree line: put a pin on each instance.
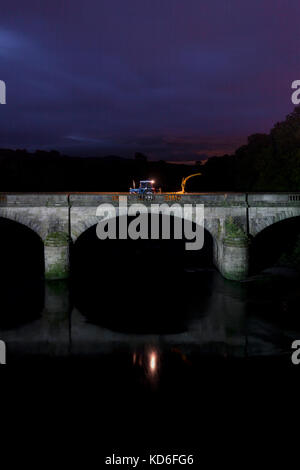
(268, 162)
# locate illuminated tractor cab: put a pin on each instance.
(146, 189)
(147, 186)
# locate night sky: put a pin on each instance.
(175, 79)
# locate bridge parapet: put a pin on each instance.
(273, 199)
(33, 200)
(94, 199)
(208, 199)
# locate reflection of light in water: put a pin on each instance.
(148, 360)
(153, 362)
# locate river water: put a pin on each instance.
(152, 332)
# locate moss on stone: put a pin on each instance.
(233, 230)
(57, 239)
(57, 271)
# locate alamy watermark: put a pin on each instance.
(2, 92)
(188, 222)
(2, 352)
(296, 354)
(296, 94)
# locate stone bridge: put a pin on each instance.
(232, 219)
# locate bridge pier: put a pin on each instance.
(57, 259)
(235, 260)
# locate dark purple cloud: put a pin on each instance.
(171, 78)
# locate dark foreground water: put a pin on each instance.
(154, 331)
(151, 365)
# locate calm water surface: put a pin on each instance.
(152, 330)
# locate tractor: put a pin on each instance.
(145, 190)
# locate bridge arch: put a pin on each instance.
(261, 218)
(274, 245)
(89, 230)
(21, 248)
(82, 224)
(21, 217)
(135, 285)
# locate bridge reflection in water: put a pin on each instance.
(223, 321)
